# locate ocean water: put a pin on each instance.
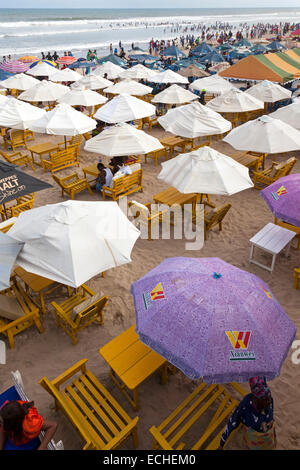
(31, 31)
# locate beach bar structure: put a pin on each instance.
(279, 67)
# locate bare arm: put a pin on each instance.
(49, 428)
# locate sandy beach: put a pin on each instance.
(51, 353)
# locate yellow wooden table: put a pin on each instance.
(249, 160)
(172, 141)
(172, 197)
(91, 170)
(38, 284)
(131, 362)
(42, 149)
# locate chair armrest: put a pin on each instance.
(15, 154)
(18, 321)
(209, 204)
(81, 365)
(88, 290)
(69, 177)
(118, 439)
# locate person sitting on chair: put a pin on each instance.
(104, 178)
(20, 426)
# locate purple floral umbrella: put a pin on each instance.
(283, 198)
(212, 320)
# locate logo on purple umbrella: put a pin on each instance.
(276, 194)
(156, 294)
(240, 340)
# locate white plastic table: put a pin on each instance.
(272, 239)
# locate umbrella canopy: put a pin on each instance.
(74, 241)
(14, 66)
(130, 87)
(193, 71)
(174, 51)
(224, 47)
(235, 101)
(28, 59)
(289, 114)
(194, 120)
(18, 115)
(82, 97)
(63, 120)
(265, 135)
(9, 250)
(269, 92)
(243, 43)
(212, 58)
(3, 99)
(276, 46)
(21, 81)
(174, 94)
(44, 91)
(113, 71)
(169, 77)
(121, 140)
(92, 82)
(212, 320)
(203, 48)
(213, 84)
(112, 58)
(124, 108)
(4, 75)
(65, 75)
(42, 69)
(43, 61)
(16, 183)
(83, 64)
(283, 198)
(296, 32)
(138, 72)
(66, 60)
(205, 171)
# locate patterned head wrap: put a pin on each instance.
(259, 387)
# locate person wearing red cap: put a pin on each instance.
(256, 415)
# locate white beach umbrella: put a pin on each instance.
(74, 241)
(205, 171)
(168, 76)
(138, 72)
(44, 91)
(20, 81)
(121, 140)
(3, 99)
(63, 120)
(130, 87)
(82, 97)
(92, 82)
(113, 71)
(174, 94)
(269, 92)
(41, 70)
(289, 114)
(65, 75)
(16, 114)
(235, 101)
(194, 120)
(124, 108)
(265, 135)
(214, 84)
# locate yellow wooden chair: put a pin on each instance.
(95, 414)
(150, 122)
(22, 204)
(80, 310)
(297, 278)
(72, 184)
(74, 141)
(146, 215)
(16, 139)
(7, 224)
(209, 405)
(272, 174)
(17, 158)
(138, 123)
(124, 186)
(18, 312)
(29, 135)
(156, 155)
(214, 217)
(61, 159)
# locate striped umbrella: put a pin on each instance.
(66, 60)
(49, 62)
(14, 66)
(28, 59)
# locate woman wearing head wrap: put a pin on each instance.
(255, 414)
